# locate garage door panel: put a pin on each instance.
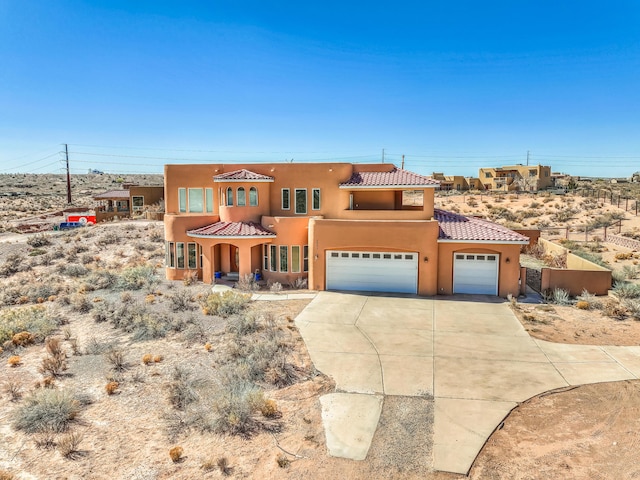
(476, 273)
(372, 271)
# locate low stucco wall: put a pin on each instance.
(580, 274)
(533, 235)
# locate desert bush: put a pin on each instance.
(631, 272)
(13, 264)
(69, 444)
(39, 240)
(95, 347)
(244, 324)
(223, 465)
(299, 284)
(80, 303)
(56, 362)
(564, 215)
(111, 387)
(75, 270)
(135, 278)
(582, 305)
(181, 301)
(102, 279)
(183, 388)
(46, 410)
(623, 256)
(109, 238)
(156, 236)
(13, 389)
(590, 299)
(557, 296)
(282, 460)
(225, 303)
(116, 359)
(247, 283)
(36, 320)
(22, 339)
(497, 213)
(147, 358)
(626, 290)
(14, 360)
(276, 287)
(613, 309)
(176, 454)
(189, 278)
(6, 475)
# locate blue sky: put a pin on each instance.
(452, 85)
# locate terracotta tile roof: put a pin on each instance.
(241, 175)
(458, 227)
(111, 194)
(395, 178)
(231, 229)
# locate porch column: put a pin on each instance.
(245, 260)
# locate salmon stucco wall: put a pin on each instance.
(508, 270)
(408, 236)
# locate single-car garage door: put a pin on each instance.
(372, 271)
(475, 273)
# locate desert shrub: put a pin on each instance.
(147, 358)
(176, 454)
(183, 388)
(299, 284)
(563, 215)
(557, 296)
(623, 256)
(102, 279)
(46, 410)
(116, 359)
(613, 309)
(181, 301)
(276, 287)
(13, 264)
(135, 278)
(69, 444)
(631, 272)
(108, 238)
(282, 460)
(6, 475)
(189, 278)
(75, 270)
(244, 324)
(111, 387)
(626, 290)
(36, 320)
(582, 305)
(223, 465)
(247, 283)
(269, 408)
(225, 303)
(14, 360)
(80, 303)
(102, 312)
(156, 236)
(36, 252)
(94, 347)
(13, 389)
(56, 362)
(497, 213)
(157, 358)
(590, 299)
(39, 240)
(22, 339)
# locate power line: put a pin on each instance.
(31, 163)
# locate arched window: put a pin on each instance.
(253, 197)
(229, 197)
(242, 198)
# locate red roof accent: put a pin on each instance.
(112, 194)
(395, 178)
(459, 227)
(241, 175)
(232, 229)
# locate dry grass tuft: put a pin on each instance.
(22, 339)
(282, 460)
(68, 446)
(583, 305)
(176, 454)
(208, 347)
(147, 358)
(6, 475)
(157, 358)
(111, 387)
(14, 360)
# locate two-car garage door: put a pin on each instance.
(475, 273)
(372, 271)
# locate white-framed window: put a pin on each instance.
(200, 254)
(180, 254)
(273, 258)
(137, 203)
(208, 193)
(301, 201)
(253, 197)
(286, 200)
(171, 255)
(295, 259)
(192, 256)
(315, 199)
(242, 197)
(284, 258)
(196, 202)
(265, 253)
(305, 258)
(182, 200)
(229, 197)
(221, 196)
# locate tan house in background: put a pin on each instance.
(451, 182)
(341, 226)
(127, 201)
(516, 177)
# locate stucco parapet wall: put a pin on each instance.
(390, 215)
(574, 262)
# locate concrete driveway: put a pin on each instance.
(469, 352)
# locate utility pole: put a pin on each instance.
(402, 162)
(527, 158)
(383, 155)
(66, 151)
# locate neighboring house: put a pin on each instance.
(451, 182)
(342, 226)
(516, 177)
(475, 183)
(121, 203)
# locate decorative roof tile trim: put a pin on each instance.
(112, 194)
(232, 230)
(242, 176)
(458, 228)
(395, 178)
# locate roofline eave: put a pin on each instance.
(490, 242)
(230, 237)
(387, 187)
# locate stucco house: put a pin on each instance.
(342, 226)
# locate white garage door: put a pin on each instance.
(372, 271)
(475, 273)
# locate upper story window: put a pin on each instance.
(209, 199)
(242, 197)
(487, 174)
(315, 200)
(532, 173)
(286, 201)
(413, 198)
(301, 200)
(182, 200)
(137, 203)
(253, 197)
(230, 197)
(195, 200)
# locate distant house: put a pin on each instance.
(451, 182)
(127, 201)
(516, 177)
